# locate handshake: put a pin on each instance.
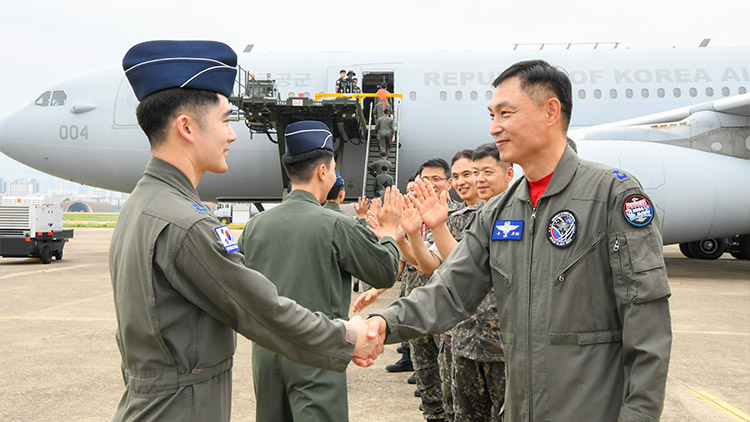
(370, 339)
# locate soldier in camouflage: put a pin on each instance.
(478, 362)
(434, 173)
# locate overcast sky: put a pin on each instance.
(46, 41)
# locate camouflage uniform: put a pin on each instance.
(429, 365)
(478, 382)
(457, 222)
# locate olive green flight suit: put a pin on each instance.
(179, 297)
(310, 253)
(585, 327)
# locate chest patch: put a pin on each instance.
(225, 237)
(562, 229)
(638, 210)
(507, 230)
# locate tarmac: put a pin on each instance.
(59, 360)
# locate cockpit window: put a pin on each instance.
(58, 98)
(43, 100)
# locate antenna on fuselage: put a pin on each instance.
(705, 42)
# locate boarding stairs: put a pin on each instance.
(264, 112)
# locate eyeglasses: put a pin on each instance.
(433, 179)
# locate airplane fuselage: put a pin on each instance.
(94, 138)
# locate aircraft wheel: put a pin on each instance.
(707, 248)
(685, 249)
(46, 254)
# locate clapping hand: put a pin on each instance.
(432, 209)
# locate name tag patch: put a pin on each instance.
(562, 229)
(507, 230)
(225, 237)
(638, 210)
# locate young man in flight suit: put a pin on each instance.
(573, 250)
(321, 249)
(180, 286)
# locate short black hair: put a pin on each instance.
(540, 80)
(436, 162)
(300, 168)
(334, 192)
(464, 153)
(488, 150)
(156, 111)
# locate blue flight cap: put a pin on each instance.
(307, 135)
(153, 66)
(339, 180)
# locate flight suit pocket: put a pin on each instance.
(644, 257)
(642, 275)
(581, 297)
(502, 280)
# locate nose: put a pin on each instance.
(232, 135)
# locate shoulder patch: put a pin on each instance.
(637, 210)
(620, 175)
(200, 208)
(225, 238)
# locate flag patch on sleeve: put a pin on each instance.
(225, 238)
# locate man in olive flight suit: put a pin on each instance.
(180, 287)
(573, 250)
(319, 248)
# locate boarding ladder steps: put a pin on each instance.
(373, 151)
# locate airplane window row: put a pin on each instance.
(458, 95)
(52, 99)
(660, 92)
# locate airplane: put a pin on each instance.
(677, 119)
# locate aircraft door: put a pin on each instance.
(372, 81)
(333, 75)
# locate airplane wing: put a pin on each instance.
(721, 126)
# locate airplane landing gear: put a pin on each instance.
(707, 248)
(738, 246)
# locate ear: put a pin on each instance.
(186, 126)
(322, 171)
(552, 111)
(509, 173)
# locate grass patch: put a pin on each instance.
(89, 219)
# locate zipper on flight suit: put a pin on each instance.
(580, 257)
(528, 316)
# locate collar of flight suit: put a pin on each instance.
(562, 176)
(172, 176)
(302, 195)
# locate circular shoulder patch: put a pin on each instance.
(562, 229)
(638, 210)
